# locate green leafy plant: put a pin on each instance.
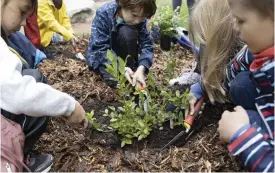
(132, 120)
(167, 20)
(92, 121)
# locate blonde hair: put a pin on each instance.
(212, 24)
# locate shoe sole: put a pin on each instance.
(47, 169)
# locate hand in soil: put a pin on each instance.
(192, 101)
(74, 42)
(231, 122)
(139, 76)
(78, 115)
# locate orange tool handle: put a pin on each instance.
(139, 87)
(76, 49)
(190, 118)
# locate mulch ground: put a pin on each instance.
(77, 150)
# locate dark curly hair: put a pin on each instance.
(149, 6)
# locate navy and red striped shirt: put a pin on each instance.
(255, 146)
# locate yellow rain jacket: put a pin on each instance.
(51, 20)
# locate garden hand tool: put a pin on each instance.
(78, 54)
(188, 123)
(140, 88)
(128, 74)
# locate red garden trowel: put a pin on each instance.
(78, 54)
(189, 119)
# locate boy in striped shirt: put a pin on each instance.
(251, 132)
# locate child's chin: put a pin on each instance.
(11, 32)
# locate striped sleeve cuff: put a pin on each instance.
(240, 132)
(245, 140)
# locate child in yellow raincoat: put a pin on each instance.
(54, 23)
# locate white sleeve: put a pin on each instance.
(23, 95)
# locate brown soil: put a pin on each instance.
(78, 149)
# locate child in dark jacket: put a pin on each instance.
(121, 27)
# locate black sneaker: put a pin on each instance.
(40, 163)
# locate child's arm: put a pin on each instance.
(45, 15)
(146, 46)
(249, 138)
(254, 149)
(241, 62)
(66, 19)
(32, 55)
(22, 94)
(198, 90)
(99, 41)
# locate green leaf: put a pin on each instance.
(112, 108)
(128, 141)
(140, 137)
(113, 120)
(146, 131)
(178, 93)
(112, 71)
(164, 93)
(129, 136)
(110, 55)
(121, 66)
(122, 144)
(122, 109)
(180, 118)
(141, 123)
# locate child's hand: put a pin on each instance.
(139, 76)
(74, 42)
(128, 74)
(78, 115)
(231, 122)
(192, 101)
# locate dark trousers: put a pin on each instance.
(177, 3)
(243, 92)
(125, 45)
(32, 127)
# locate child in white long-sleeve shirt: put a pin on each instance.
(23, 99)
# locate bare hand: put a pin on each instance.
(78, 116)
(231, 122)
(128, 74)
(139, 76)
(74, 42)
(192, 101)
